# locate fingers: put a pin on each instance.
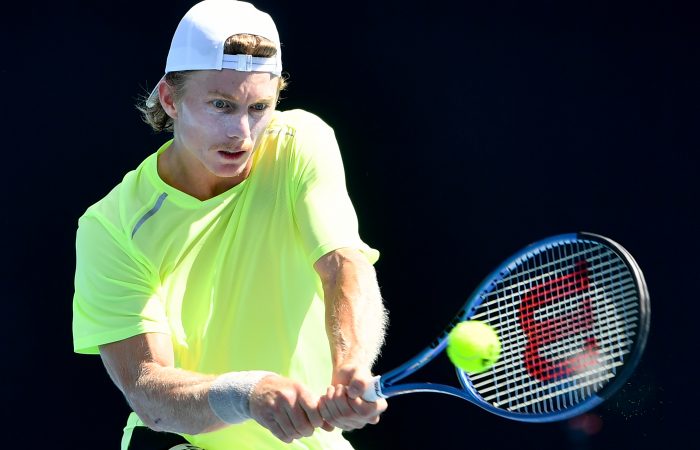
(277, 431)
(286, 408)
(338, 409)
(341, 411)
(327, 426)
(290, 411)
(358, 386)
(304, 414)
(289, 432)
(296, 422)
(357, 379)
(309, 405)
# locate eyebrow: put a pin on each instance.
(218, 93)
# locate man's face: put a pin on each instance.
(221, 116)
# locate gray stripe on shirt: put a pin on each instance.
(150, 213)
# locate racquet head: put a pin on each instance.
(572, 315)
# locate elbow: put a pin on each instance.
(153, 414)
(140, 406)
(163, 416)
(154, 423)
(338, 264)
(161, 423)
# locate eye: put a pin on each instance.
(259, 106)
(219, 104)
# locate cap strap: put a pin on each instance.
(248, 63)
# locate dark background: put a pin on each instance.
(468, 130)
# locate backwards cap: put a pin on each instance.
(198, 43)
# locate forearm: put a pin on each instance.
(175, 400)
(355, 315)
(171, 399)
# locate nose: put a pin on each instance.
(238, 126)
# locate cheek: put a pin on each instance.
(198, 126)
(258, 126)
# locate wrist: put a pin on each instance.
(355, 361)
(350, 371)
(229, 394)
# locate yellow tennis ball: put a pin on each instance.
(473, 346)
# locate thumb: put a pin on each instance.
(357, 387)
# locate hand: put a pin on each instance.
(343, 406)
(286, 408)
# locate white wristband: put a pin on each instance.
(229, 394)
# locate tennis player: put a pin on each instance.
(223, 282)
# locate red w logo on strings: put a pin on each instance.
(577, 320)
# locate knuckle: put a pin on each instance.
(317, 422)
(368, 412)
(289, 394)
(274, 409)
(296, 388)
(272, 405)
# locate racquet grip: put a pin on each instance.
(374, 391)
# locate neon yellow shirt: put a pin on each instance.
(230, 279)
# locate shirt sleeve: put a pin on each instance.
(323, 210)
(115, 292)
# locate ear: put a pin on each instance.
(167, 101)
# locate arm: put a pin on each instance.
(355, 324)
(176, 400)
(165, 398)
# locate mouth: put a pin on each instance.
(232, 155)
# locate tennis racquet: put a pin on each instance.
(572, 314)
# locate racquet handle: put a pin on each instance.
(374, 391)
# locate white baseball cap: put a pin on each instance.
(198, 43)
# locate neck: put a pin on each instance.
(191, 177)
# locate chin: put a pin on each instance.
(230, 170)
(228, 173)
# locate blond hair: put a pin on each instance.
(238, 44)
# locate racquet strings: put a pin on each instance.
(566, 315)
